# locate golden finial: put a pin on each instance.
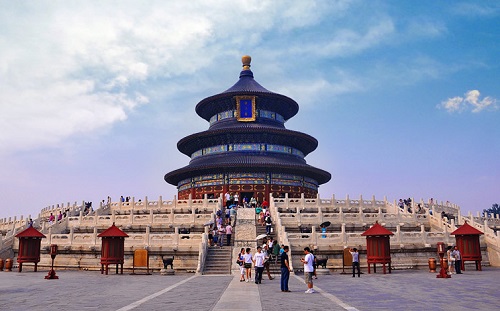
(246, 60)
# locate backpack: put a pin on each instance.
(268, 220)
(219, 213)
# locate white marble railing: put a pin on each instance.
(170, 219)
(344, 239)
(299, 219)
(160, 204)
(202, 253)
(12, 225)
(134, 240)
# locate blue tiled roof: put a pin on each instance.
(247, 83)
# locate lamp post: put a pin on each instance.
(53, 254)
(442, 271)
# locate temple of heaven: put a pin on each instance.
(247, 150)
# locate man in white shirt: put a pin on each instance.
(308, 262)
(258, 260)
(355, 261)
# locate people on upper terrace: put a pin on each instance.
(30, 222)
(59, 216)
(253, 202)
(401, 204)
(227, 197)
(236, 199)
(52, 218)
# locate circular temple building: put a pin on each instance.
(247, 150)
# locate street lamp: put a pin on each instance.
(442, 270)
(52, 272)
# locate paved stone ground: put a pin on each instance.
(401, 290)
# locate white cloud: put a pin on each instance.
(76, 68)
(476, 9)
(346, 41)
(470, 101)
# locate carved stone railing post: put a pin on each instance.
(314, 236)
(397, 235)
(343, 234)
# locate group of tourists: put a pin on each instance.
(221, 229)
(261, 260)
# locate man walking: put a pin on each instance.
(258, 260)
(308, 262)
(355, 261)
(285, 269)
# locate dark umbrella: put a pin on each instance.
(325, 224)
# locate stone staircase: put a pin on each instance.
(218, 260)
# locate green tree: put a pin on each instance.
(495, 210)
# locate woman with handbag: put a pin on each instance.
(240, 261)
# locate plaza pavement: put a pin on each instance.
(401, 290)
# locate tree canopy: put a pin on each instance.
(495, 210)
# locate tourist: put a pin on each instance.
(227, 196)
(276, 251)
(240, 261)
(308, 261)
(401, 204)
(245, 202)
(285, 269)
(52, 218)
(258, 260)
(269, 223)
(451, 259)
(236, 199)
(215, 236)
(355, 261)
(248, 264)
(265, 250)
(59, 216)
(229, 232)
(458, 260)
(211, 237)
(315, 276)
(253, 202)
(30, 222)
(222, 232)
(265, 204)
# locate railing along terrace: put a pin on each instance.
(160, 204)
(13, 224)
(309, 218)
(151, 218)
(338, 240)
(55, 209)
(90, 240)
(318, 202)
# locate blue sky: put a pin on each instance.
(402, 97)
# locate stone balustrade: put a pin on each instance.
(151, 219)
(339, 240)
(160, 204)
(90, 240)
